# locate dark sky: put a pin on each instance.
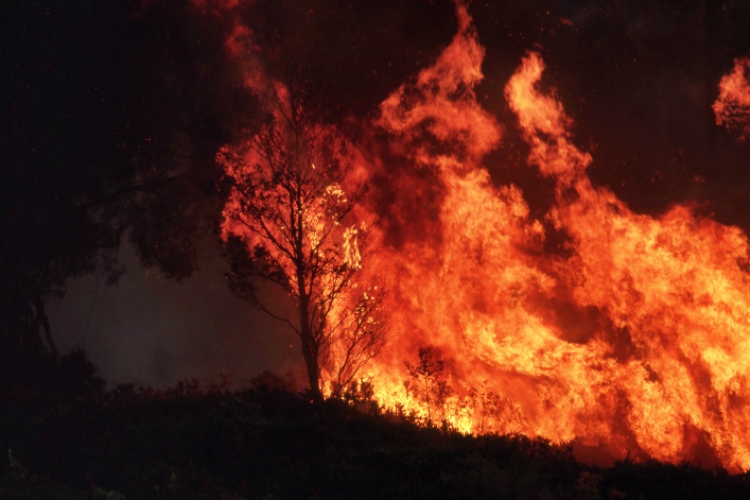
(638, 78)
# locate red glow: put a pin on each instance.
(732, 107)
(636, 342)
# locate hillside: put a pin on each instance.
(263, 443)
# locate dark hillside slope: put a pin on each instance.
(192, 443)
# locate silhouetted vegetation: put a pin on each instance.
(428, 382)
(26, 375)
(193, 441)
(99, 147)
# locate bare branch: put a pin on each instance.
(291, 202)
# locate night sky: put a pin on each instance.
(92, 90)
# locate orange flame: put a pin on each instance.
(732, 107)
(634, 339)
(636, 342)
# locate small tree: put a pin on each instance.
(430, 385)
(289, 220)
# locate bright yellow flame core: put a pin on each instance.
(629, 333)
(656, 358)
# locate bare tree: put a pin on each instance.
(430, 385)
(357, 335)
(289, 220)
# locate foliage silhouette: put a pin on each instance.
(429, 383)
(116, 112)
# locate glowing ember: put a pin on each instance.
(732, 108)
(635, 340)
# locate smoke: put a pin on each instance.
(151, 330)
(169, 85)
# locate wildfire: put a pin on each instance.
(635, 343)
(635, 340)
(732, 108)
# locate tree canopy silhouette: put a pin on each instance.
(114, 114)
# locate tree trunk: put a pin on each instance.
(41, 318)
(309, 351)
(313, 374)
